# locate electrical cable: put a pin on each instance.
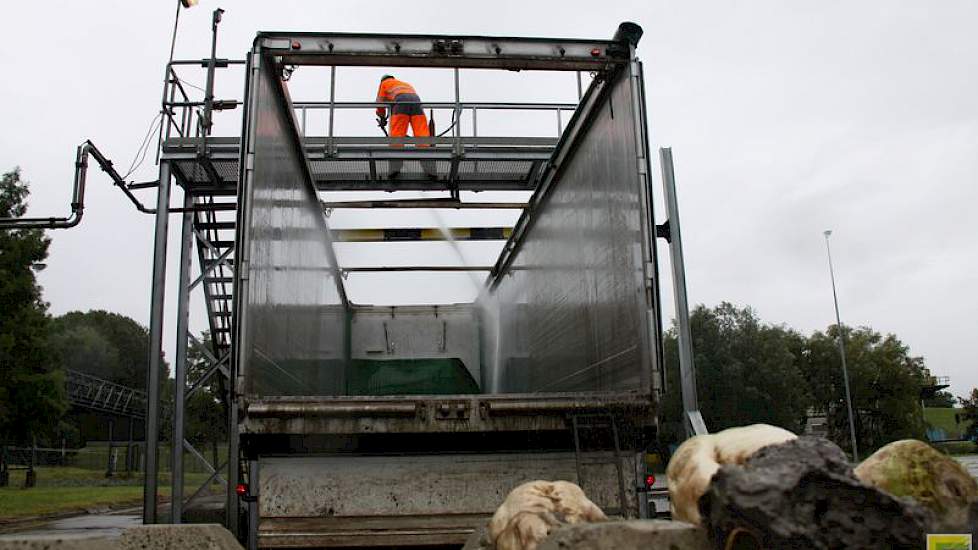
(192, 85)
(144, 146)
(452, 125)
(145, 150)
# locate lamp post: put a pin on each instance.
(842, 349)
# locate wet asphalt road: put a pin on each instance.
(80, 527)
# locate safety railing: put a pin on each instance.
(459, 112)
(185, 117)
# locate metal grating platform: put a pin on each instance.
(365, 164)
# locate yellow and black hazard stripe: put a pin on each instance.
(422, 234)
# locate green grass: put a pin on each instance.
(66, 489)
(38, 501)
(943, 418)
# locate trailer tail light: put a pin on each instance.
(296, 45)
(595, 52)
(241, 489)
(649, 481)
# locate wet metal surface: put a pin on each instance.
(437, 413)
(412, 332)
(363, 497)
(571, 313)
(86, 526)
(294, 318)
(572, 310)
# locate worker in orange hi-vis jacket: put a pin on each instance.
(406, 110)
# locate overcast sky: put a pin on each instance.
(785, 119)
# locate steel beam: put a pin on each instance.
(180, 362)
(157, 305)
(458, 51)
(427, 203)
(226, 148)
(216, 366)
(253, 516)
(203, 486)
(422, 234)
(208, 267)
(651, 333)
(448, 268)
(211, 468)
(687, 372)
(231, 497)
(653, 292)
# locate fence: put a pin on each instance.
(99, 457)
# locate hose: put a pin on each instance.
(383, 128)
(452, 125)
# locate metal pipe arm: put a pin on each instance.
(86, 149)
(77, 200)
(77, 194)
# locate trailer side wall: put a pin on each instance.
(295, 337)
(571, 310)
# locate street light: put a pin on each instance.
(842, 349)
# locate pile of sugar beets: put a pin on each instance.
(759, 487)
(762, 487)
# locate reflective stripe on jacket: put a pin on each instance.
(394, 90)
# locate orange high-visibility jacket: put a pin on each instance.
(394, 90)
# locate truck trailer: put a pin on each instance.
(408, 425)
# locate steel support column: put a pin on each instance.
(180, 362)
(157, 304)
(129, 455)
(231, 502)
(687, 372)
(253, 516)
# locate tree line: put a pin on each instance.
(748, 371)
(36, 349)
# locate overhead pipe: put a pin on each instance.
(78, 195)
(77, 199)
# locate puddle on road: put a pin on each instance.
(87, 526)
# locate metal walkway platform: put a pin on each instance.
(365, 164)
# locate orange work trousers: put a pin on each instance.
(399, 127)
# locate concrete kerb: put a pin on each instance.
(143, 537)
(207, 536)
(628, 535)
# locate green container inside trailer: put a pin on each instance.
(410, 377)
